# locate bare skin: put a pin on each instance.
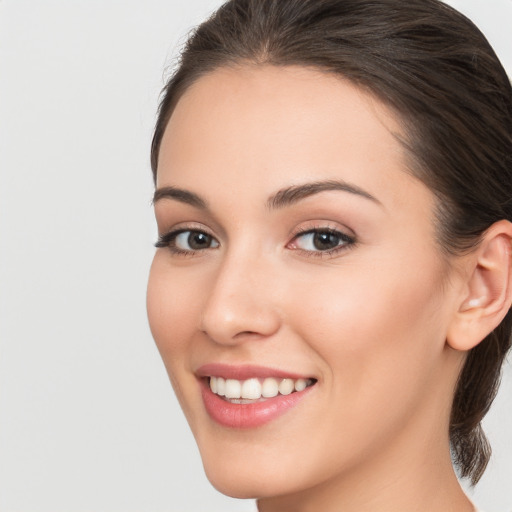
(369, 317)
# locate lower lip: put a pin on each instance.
(252, 415)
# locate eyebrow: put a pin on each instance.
(181, 195)
(282, 198)
(291, 195)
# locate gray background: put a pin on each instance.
(88, 421)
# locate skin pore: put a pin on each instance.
(294, 238)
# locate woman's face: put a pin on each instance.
(296, 250)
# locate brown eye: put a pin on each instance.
(194, 241)
(198, 241)
(187, 241)
(322, 240)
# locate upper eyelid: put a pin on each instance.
(320, 226)
(295, 233)
(170, 234)
(184, 226)
(348, 239)
(324, 230)
(168, 239)
(167, 223)
(323, 226)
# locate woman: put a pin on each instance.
(332, 287)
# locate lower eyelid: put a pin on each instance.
(168, 240)
(345, 242)
(330, 254)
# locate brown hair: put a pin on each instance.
(438, 72)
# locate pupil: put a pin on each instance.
(325, 241)
(198, 240)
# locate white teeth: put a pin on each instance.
(286, 386)
(221, 386)
(254, 388)
(251, 389)
(270, 388)
(233, 388)
(300, 384)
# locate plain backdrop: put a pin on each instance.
(88, 421)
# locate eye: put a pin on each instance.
(321, 240)
(194, 241)
(187, 241)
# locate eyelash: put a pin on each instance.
(168, 240)
(348, 241)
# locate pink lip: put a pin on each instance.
(244, 372)
(244, 416)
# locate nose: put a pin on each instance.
(242, 303)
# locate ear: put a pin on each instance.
(487, 295)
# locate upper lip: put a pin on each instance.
(244, 372)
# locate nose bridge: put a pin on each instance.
(240, 301)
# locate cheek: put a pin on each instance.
(172, 302)
(172, 306)
(374, 326)
(379, 335)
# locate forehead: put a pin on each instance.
(265, 127)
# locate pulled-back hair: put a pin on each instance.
(437, 72)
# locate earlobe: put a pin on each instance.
(488, 291)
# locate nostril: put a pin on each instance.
(228, 320)
(247, 333)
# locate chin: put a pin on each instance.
(240, 474)
(255, 471)
(250, 484)
(236, 487)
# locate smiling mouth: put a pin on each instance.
(256, 389)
